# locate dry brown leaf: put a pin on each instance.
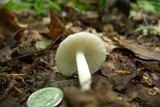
(119, 68)
(55, 27)
(29, 41)
(9, 25)
(90, 14)
(144, 96)
(140, 51)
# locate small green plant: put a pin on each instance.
(147, 30)
(79, 7)
(140, 28)
(16, 6)
(41, 7)
(102, 3)
(149, 6)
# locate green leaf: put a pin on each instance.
(54, 5)
(82, 7)
(102, 3)
(141, 28)
(17, 6)
(39, 7)
(149, 6)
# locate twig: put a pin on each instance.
(9, 75)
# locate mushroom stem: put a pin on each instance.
(83, 71)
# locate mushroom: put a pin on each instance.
(82, 52)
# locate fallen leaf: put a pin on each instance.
(140, 51)
(119, 68)
(43, 43)
(9, 25)
(55, 27)
(143, 96)
(90, 14)
(111, 41)
(72, 27)
(150, 65)
(32, 41)
(29, 41)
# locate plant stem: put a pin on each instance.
(140, 10)
(83, 71)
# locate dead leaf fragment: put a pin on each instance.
(119, 68)
(29, 42)
(9, 25)
(55, 27)
(140, 51)
(144, 96)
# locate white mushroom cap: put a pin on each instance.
(92, 47)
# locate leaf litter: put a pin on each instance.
(129, 77)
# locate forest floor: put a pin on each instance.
(129, 77)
